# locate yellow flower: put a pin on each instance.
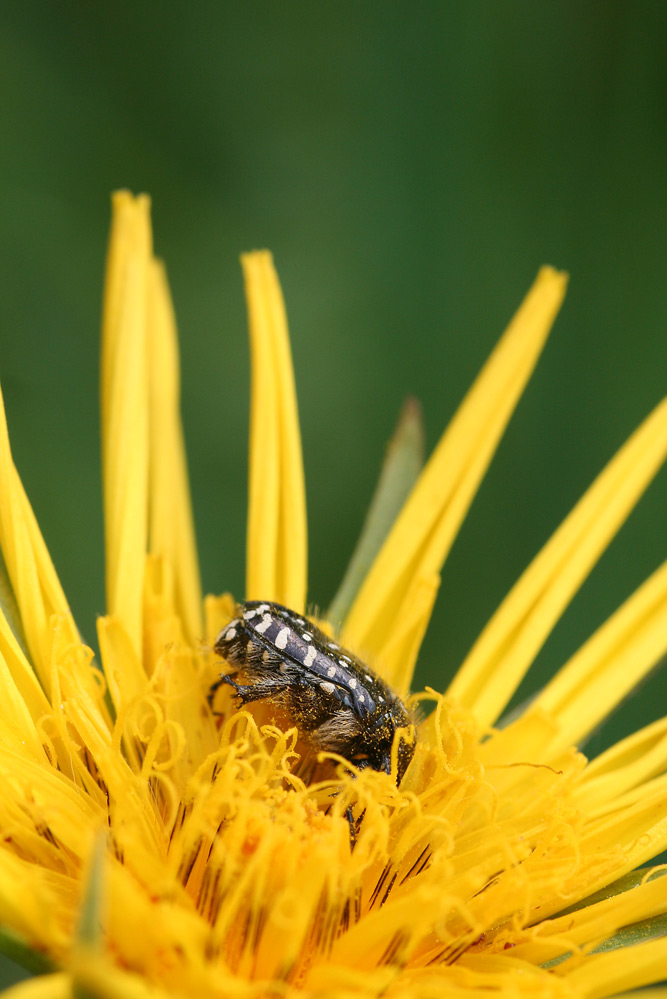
(152, 848)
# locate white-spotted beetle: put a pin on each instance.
(336, 701)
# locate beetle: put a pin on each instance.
(338, 703)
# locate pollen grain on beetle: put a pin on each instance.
(242, 799)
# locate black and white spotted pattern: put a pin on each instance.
(337, 701)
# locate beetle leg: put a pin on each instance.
(260, 690)
(215, 687)
(353, 827)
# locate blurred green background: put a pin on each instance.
(410, 166)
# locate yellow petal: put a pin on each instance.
(41, 603)
(608, 974)
(399, 654)
(171, 528)
(37, 797)
(218, 611)
(33, 902)
(56, 986)
(95, 978)
(123, 668)
(17, 725)
(654, 790)
(485, 975)
(33, 577)
(276, 544)
(17, 673)
(506, 648)
(636, 829)
(125, 409)
(426, 527)
(590, 925)
(610, 664)
(627, 764)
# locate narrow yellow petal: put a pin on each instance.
(610, 973)
(95, 978)
(506, 648)
(484, 975)
(610, 664)
(590, 925)
(654, 790)
(37, 589)
(218, 611)
(399, 654)
(29, 901)
(636, 828)
(17, 725)
(56, 986)
(627, 764)
(123, 668)
(125, 409)
(276, 543)
(429, 521)
(171, 527)
(21, 672)
(75, 685)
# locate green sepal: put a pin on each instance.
(90, 934)
(401, 467)
(90, 930)
(14, 946)
(636, 933)
(81, 992)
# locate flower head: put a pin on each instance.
(153, 846)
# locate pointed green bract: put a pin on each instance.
(17, 949)
(631, 880)
(89, 930)
(400, 470)
(641, 932)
